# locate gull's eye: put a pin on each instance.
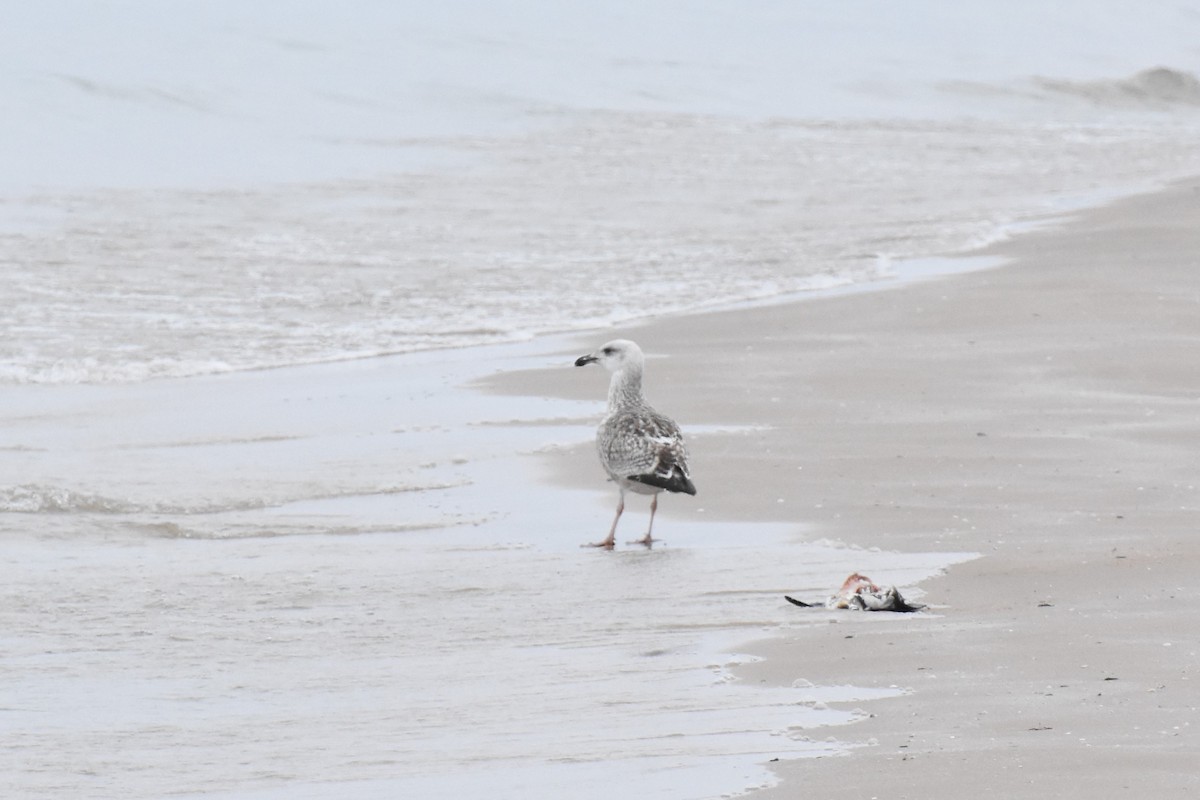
(608, 351)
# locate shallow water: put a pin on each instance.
(285, 619)
(146, 667)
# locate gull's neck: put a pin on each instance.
(625, 389)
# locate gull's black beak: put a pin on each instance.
(583, 361)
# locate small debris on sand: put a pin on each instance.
(860, 593)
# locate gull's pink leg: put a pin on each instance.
(608, 543)
(647, 539)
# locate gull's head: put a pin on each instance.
(614, 356)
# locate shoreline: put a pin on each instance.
(1038, 414)
(1061, 665)
(389, 513)
(1035, 413)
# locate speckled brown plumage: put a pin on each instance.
(642, 450)
(641, 445)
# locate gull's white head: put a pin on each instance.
(615, 356)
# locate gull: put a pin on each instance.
(640, 449)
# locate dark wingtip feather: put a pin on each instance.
(676, 482)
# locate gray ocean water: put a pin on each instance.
(595, 222)
(261, 537)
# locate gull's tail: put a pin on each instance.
(674, 481)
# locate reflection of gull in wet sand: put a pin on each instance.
(640, 449)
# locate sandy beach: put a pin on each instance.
(1043, 414)
(371, 580)
(295, 466)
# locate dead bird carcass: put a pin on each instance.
(860, 593)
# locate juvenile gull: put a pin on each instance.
(640, 449)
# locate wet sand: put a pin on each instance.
(352, 580)
(1044, 414)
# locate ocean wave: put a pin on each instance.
(43, 499)
(38, 499)
(619, 218)
(551, 313)
(1160, 87)
(1152, 90)
(277, 528)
